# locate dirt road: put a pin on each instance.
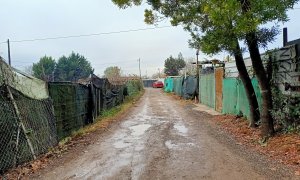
(162, 139)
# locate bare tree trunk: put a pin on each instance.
(253, 104)
(267, 126)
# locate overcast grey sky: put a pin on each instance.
(32, 19)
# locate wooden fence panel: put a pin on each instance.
(219, 74)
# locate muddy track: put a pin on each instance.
(163, 139)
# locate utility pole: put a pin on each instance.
(140, 68)
(197, 54)
(198, 79)
(158, 73)
(185, 69)
(8, 48)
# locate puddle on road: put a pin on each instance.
(181, 128)
(139, 130)
(121, 144)
(170, 145)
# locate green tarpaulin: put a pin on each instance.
(168, 84)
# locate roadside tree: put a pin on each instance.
(44, 68)
(174, 65)
(112, 72)
(72, 68)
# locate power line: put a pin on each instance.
(18, 61)
(85, 35)
(113, 62)
(97, 64)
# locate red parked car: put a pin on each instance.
(158, 84)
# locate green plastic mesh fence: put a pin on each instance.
(72, 106)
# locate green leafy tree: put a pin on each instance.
(112, 72)
(174, 65)
(254, 14)
(72, 68)
(220, 25)
(44, 68)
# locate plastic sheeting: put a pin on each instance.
(189, 87)
(29, 86)
(105, 95)
(178, 82)
(168, 84)
(113, 97)
(234, 97)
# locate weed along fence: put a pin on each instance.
(286, 85)
(35, 115)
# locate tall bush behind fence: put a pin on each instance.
(133, 87)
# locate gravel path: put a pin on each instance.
(164, 139)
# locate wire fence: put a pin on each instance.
(27, 128)
(35, 115)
